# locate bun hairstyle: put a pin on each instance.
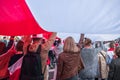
(19, 46)
(87, 42)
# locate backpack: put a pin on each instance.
(31, 67)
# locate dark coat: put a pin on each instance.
(114, 72)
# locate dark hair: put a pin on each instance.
(117, 51)
(111, 45)
(43, 41)
(19, 46)
(57, 42)
(4, 37)
(87, 41)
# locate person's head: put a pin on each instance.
(69, 45)
(4, 38)
(96, 46)
(87, 42)
(43, 41)
(19, 45)
(37, 39)
(57, 42)
(112, 45)
(117, 51)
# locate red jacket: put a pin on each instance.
(4, 61)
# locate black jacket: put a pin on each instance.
(114, 72)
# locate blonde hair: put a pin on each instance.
(69, 45)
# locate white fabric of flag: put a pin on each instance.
(77, 16)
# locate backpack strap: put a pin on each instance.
(102, 55)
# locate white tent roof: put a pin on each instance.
(77, 16)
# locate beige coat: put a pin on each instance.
(44, 50)
(103, 67)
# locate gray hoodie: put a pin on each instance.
(90, 59)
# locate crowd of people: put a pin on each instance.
(32, 57)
